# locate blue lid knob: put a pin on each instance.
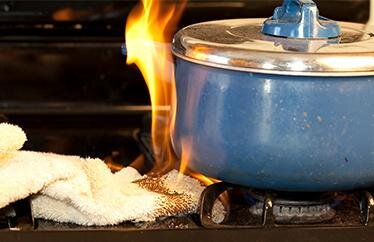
(300, 19)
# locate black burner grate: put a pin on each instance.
(253, 208)
(17, 216)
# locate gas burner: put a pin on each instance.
(289, 214)
(294, 208)
(269, 208)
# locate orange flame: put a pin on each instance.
(149, 30)
(204, 179)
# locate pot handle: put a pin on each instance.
(300, 19)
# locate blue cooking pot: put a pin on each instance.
(275, 113)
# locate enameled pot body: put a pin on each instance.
(282, 132)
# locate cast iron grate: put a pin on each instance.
(17, 216)
(253, 208)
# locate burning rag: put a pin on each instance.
(84, 190)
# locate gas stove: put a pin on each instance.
(251, 213)
(64, 79)
(261, 215)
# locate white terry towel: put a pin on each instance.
(85, 191)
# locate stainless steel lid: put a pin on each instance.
(238, 44)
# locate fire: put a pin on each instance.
(204, 179)
(149, 30)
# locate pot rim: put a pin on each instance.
(275, 72)
(216, 44)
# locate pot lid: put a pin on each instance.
(295, 41)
